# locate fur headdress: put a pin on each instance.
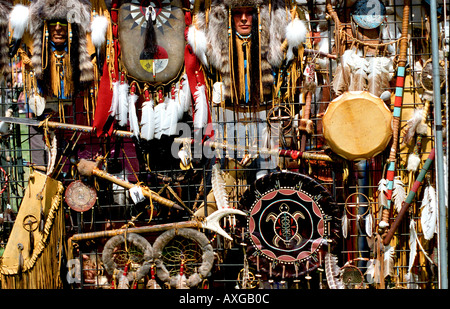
(4, 20)
(273, 27)
(78, 15)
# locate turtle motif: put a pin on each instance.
(285, 225)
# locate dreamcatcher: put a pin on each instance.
(127, 258)
(183, 258)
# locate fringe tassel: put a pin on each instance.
(41, 271)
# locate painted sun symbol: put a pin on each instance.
(137, 9)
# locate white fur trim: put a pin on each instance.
(18, 18)
(99, 26)
(197, 40)
(296, 32)
(413, 162)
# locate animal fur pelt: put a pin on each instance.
(4, 41)
(78, 14)
(332, 272)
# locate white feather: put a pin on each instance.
(197, 40)
(52, 152)
(19, 18)
(185, 94)
(344, 223)
(372, 275)
(398, 193)
(369, 224)
(429, 213)
(218, 187)
(159, 113)
(114, 109)
(389, 255)
(200, 108)
(382, 189)
(332, 272)
(99, 25)
(172, 117)
(412, 124)
(134, 122)
(122, 114)
(411, 280)
(412, 244)
(148, 120)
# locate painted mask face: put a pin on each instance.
(58, 32)
(242, 18)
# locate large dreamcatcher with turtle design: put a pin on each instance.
(292, 223)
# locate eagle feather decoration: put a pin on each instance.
(148, 120)
(218, 187)
(332, 272)
(342, 77)
(428, 217)
(122, 115)
(200, 107)
(158, 113)
(134, 122)
(398, 193)
(378, 74)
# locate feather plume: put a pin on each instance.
(389, 255)
(159, 112)
(200, 107)
(134, 122)
(358, 65)
(398, 193)
(411, 281)
(122, 115)
(218, 187)
(342, 77)
(114, 109)
(372, 272)
(369, 224)
(378, 74)
(172, 117)
(185, 94)
(382, 189)
(296, 32)
(428, 217)
(412, 244)
(148, 120)
(412, 124)
(99, 25)
(52, 152)
(344, 223)
(19, 18)
(123, 284)
(197, 40)
(332, 272)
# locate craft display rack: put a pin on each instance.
(346, 190)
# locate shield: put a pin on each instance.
(169, 25)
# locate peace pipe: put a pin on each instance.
(88, 168)
(294, 154)
(212, 223)
(409, 198)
